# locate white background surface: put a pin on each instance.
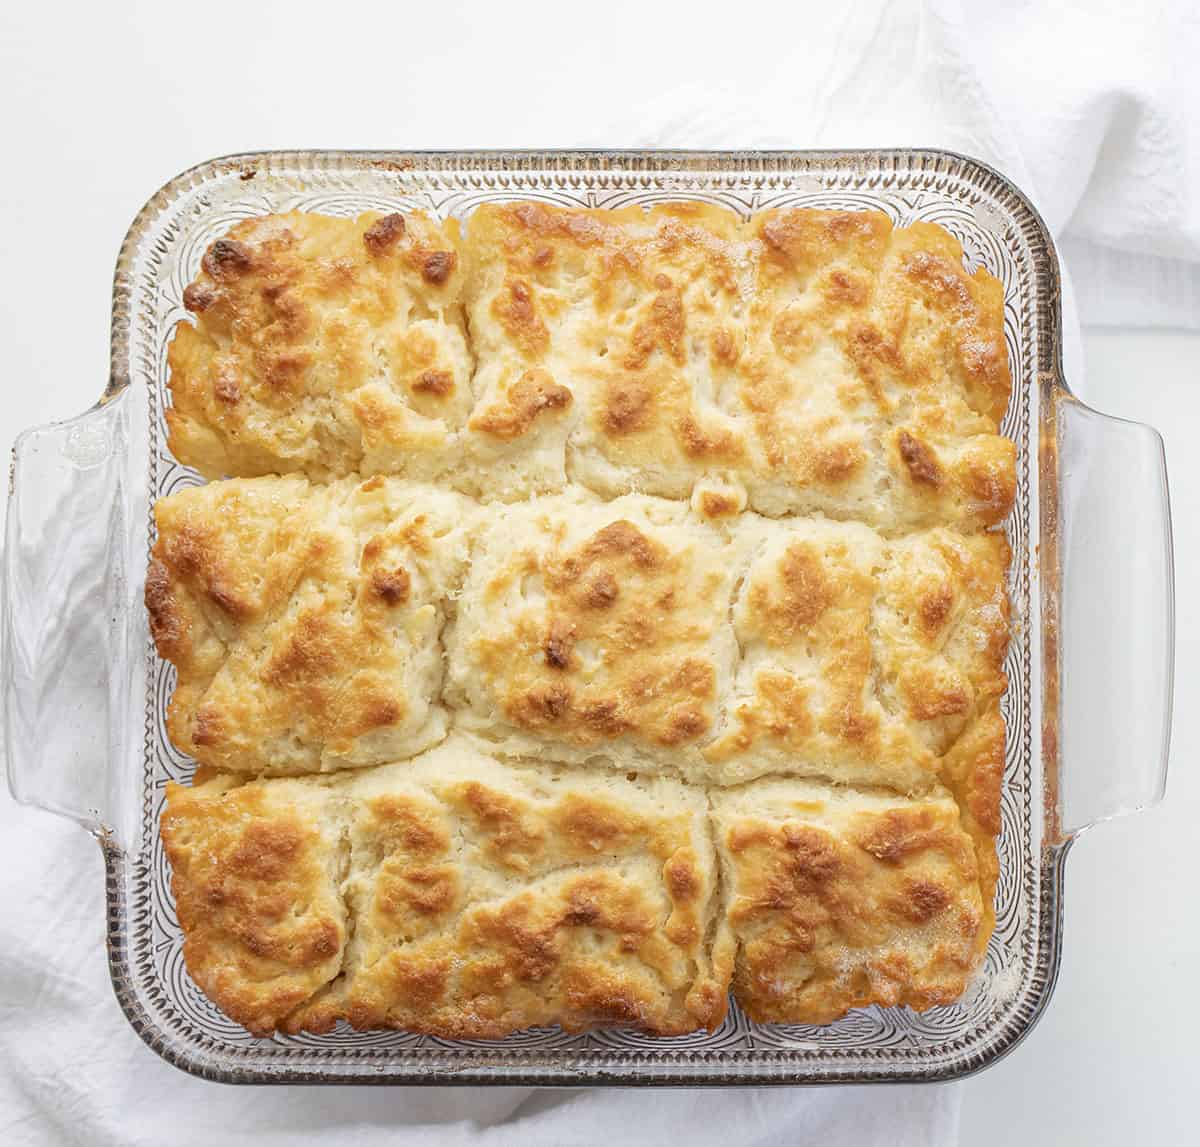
(103, 104)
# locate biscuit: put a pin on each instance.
(835, 899)
(322, 346)
(862, 658)
(607, 610)
(449, 894)
(812, 362)
(303, 621)
(638, 635)
(591, 629)
(256, 872)
(820, 362)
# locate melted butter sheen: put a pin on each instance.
(603, 615)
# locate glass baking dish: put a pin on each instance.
(1090, 667)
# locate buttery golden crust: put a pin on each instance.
(611, 307)
(820, 361)
(325, 346)
(729, 486)
(256, 874)
(478, 898)
(587, 625)
(879, 372)
(636, 634)
(812, 361)
(488, 898)
(862, 659)
(633, 631)
(836, 899)
(303, 620)
(973, 771)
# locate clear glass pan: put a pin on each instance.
(1089, 698)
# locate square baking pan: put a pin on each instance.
(1089, 668)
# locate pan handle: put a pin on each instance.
(65, 628)
(1116, 620)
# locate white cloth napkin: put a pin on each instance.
(1095, 117)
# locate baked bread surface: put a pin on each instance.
(323, 346)
(805, 361)
(256, 872)
(303, 620)
(475, 898)
(838, 898)
(597, 611)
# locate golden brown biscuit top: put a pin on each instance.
(839, 898)
(591, 624)
(814, 361)
(488, 897)
(303, 621)
(862, 658)
(823, 361)
(322, 345)
(647, 497)
(640, 635)
(256, 878)
(451, 894)
(312, 628)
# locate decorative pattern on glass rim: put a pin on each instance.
(997, 231)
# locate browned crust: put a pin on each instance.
(619, 644)
(879, 906)
(973, 771)
(318, 345)
(533, 395)
(683, 339)
(300, 620)
(920, 346)
(255, 894)
(475, 906)
(625, 586)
